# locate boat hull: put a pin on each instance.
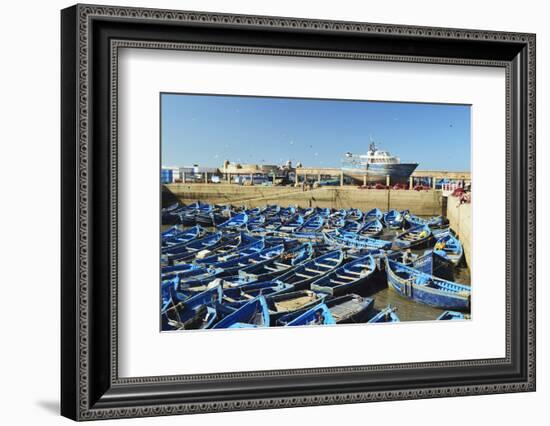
(376, 173)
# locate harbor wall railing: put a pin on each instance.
(425, 203)
(460, 220)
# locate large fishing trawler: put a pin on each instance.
(376, 165)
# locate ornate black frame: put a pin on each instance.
(91, 36)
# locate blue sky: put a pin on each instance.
(207, 129)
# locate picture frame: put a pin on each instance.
(90, 385)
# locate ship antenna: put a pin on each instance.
(372, 145)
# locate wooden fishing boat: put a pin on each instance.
(171, 232)
(239, 252)
(179, 252)
(313, 224)
(250, 291)
(385, 315)
(373, 214)
(323, 212)
(209, 296)
(255, 222)
(350, 226)
(420, 287)
(287, 212)
(179, 236)
(188, 215)
(352, 277)
(372, 228)
(417, 237)
(253, 212)
(452, 316)
(168, 272)
(276, 267)
(228, 243)
(196, 273)
(448, 246)
(433, 222)
(170, 216)
(353, 240)
(394, 219)
(271, 210)
(437, 222)
(432, 263)
(318, 315)
(238, 221)
(192, 313)
(281, 304)
(253, 314)
(354, 214)
(233, 265)
(292, 224)
(303, 275)
(439, 232)
(347, 309)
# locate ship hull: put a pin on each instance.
(376, 173)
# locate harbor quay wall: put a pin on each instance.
(460, 220)
(425, 203)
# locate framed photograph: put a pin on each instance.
(263, 212)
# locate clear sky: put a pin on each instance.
(208, 129)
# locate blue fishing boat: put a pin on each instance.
(208, 296)
(249, 291)
(313, 224)
(255, 222)
(372, 228)
(353, 240)
(350, 226)
(349, 278)
(188, 215)
(394, 219)
(385, 315)
(452, 316)
(253, 212)
(304, 274)
(373, 214)
(449, 246)
(433, 222)
(287, 212)
(417, 237)
(195, 273)
(192, 313)
(281, 304)
(318, 315)
(178, 236)
(180, 252)
(170, 215)
(278, 266)
(347, 309)
(223, 257)
(253, 314)
(238, 221)
(440, 232)
(271, 210)
(228, 243)
(168, 272)
(420, 287)
(292, 224)
(233, 265)
(432, 263)
(206, 241)
(354, 214)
